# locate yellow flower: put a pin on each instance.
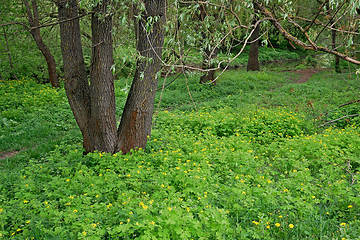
(291, 225)
(25, 201)
(84, 233)
(343, 224)
(277, 224)
(28, 221)
(152, 222)
(254, 222)
(350, 206)
(75, 210)
(18, 230)
(128, 220)
(280, 216)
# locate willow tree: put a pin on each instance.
(93, 100)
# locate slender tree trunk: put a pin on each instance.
(76, 82)
(337, 59)
(7, 49)
(210, 52)
(209, 76)
(35, 32)
(103, 120)
(135, 125)
(253, 62)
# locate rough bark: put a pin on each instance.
(103, 121)
(76, 82)
(33, 18)
(253, 61)
(135, 125)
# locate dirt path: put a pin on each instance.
(305, 74)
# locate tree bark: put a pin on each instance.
(35, 32)
(103, 120)
(210, 52)
(76, 82)
(135, 125)
(253, 62)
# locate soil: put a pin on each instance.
(305, 74)
(8, 154)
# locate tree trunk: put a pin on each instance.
(210, 52)
(7, 49)
(253, 62)
(209, 76)
(76, 82)
(94, 105)
(103, 120)
(35, 32)
(333, 38)
(135, 125)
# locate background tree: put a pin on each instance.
(20, 18)
(33, 18)
(253, 63)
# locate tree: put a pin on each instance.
(93, 104)
(312, 45)
(33, 18)
(253, 63)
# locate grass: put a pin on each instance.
(249, 162)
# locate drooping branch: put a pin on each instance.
(298, 42)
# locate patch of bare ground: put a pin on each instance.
(305, 74)
(8, 154)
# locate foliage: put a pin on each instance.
(247, 164)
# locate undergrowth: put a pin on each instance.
(249, 162)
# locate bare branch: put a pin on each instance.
(290, 37)
(354, 115)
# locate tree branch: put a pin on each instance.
(290, 37)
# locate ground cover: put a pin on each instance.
(248, 162)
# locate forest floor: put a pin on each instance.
(305, 75)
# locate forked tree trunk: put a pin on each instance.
(253, 62)
(135, 125)
(94, 105)
(35, 32)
